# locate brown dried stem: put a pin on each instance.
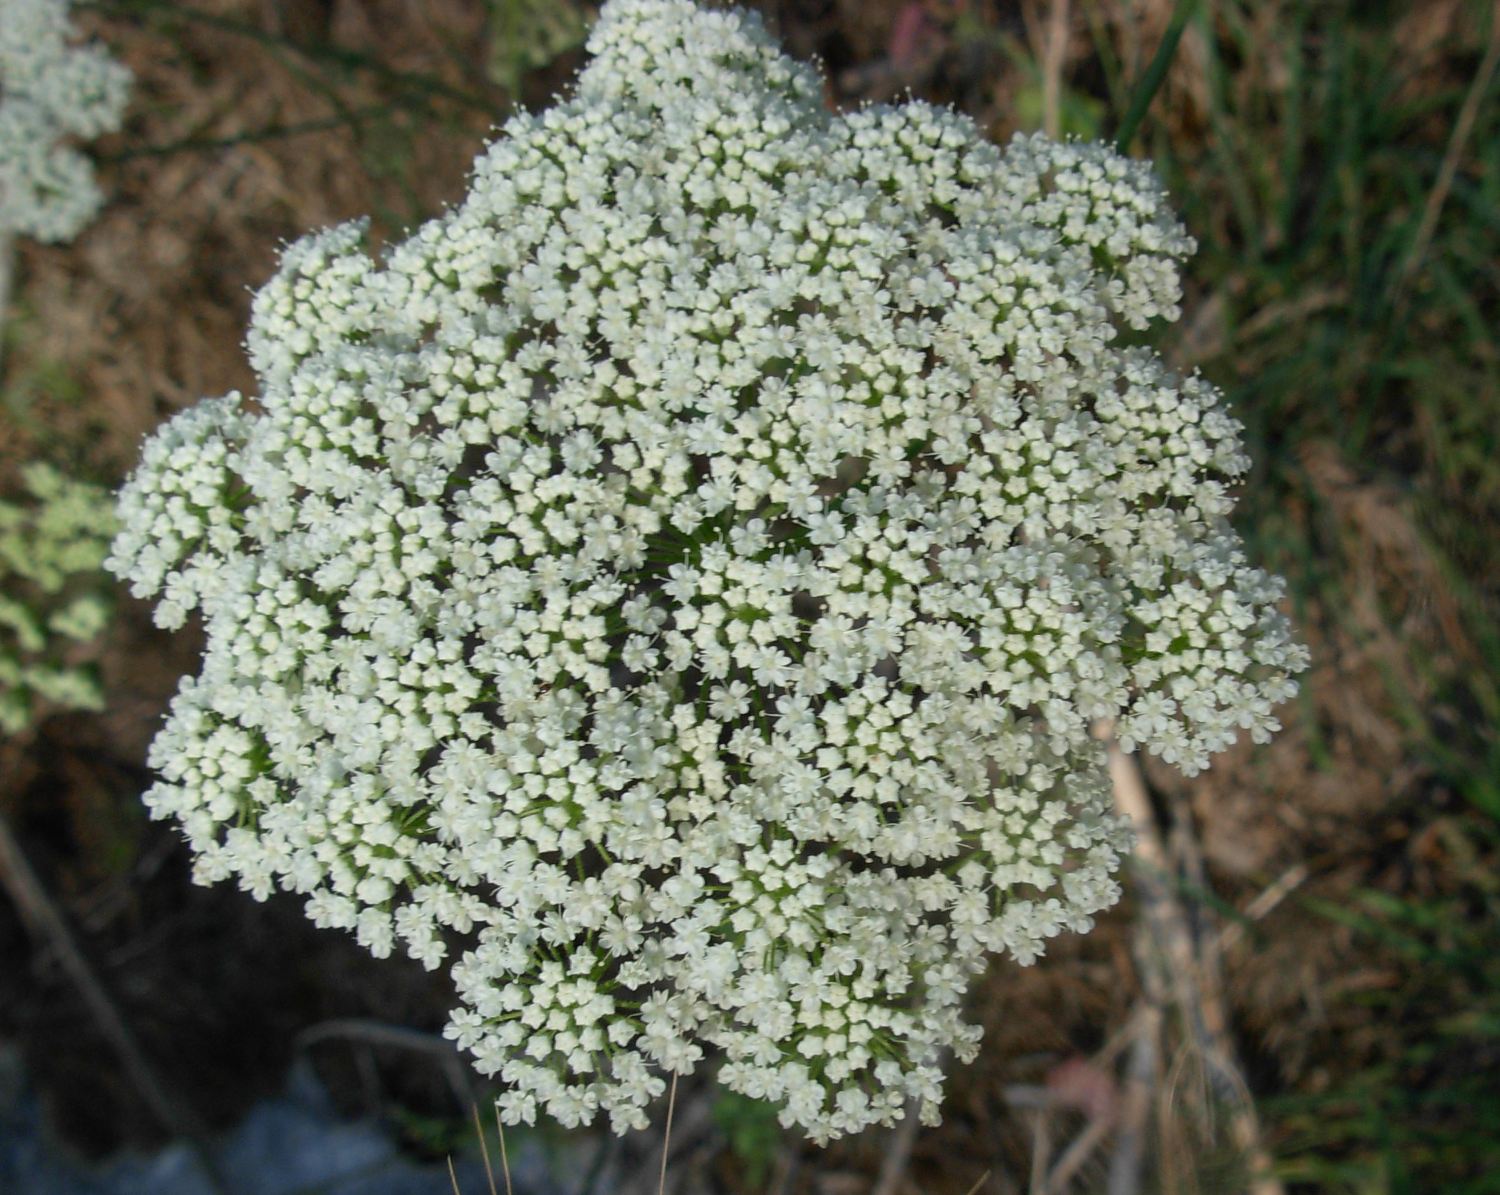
(46, 922)
(898, 1154)
(1189, 977)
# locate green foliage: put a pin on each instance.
(1422, 1118)
(1343, 324)
(752, 1131)
(1079, 115)
(53, 594)
(1358, 298)
(1156, 72)
(526, 35)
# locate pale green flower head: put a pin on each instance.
(53, 95)
(53, 593)
(682, 578)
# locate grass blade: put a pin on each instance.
(1151, 82)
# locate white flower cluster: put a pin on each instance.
(52, 544)
(687, 572)
(51, 91)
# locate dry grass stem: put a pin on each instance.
(484, 1149)
(376, 1033)
(1078, 1152)
(897, 1154)
(1054, 59)
(1262, 906)
(504, 1157)
(1189, 970)
(365, 1035)
(666, 1140)
(1135, 1106)
(1041, 1150)
(47, 923)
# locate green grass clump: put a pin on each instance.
(527, 35)
(1345, 186)
(1422, 1117)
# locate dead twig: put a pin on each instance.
(666, 1144)
(504, 1156)
(1054, 58)
(1041, 1150)
(1135, 1106)
(1261, 907)
(1029, 1095)
(1189, 971)
(898, 1154)
(370, 1034)
(46, 922)
(484, 1150)
(1082, 1148)
(377, 1033)
(978, 1182)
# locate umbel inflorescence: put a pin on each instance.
(683, 577)
(53, 540)
(51, 93)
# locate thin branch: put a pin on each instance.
(1080, 1151)
(375, 1033)
(1135, 1107)
(1261, 907)
(666, 1144)
(47, 923)
(504, 1157)
(1041, 1150)
(1029, 1095)
(1053, 61)
(898, 1153)
(484, 1149)
(1192, 978)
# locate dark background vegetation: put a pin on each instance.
(1339, 162)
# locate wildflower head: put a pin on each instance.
(51, 93)
(687, 571)
(52, 543)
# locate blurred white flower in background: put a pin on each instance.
(684, 575)
(53, 594)
(53, 95)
